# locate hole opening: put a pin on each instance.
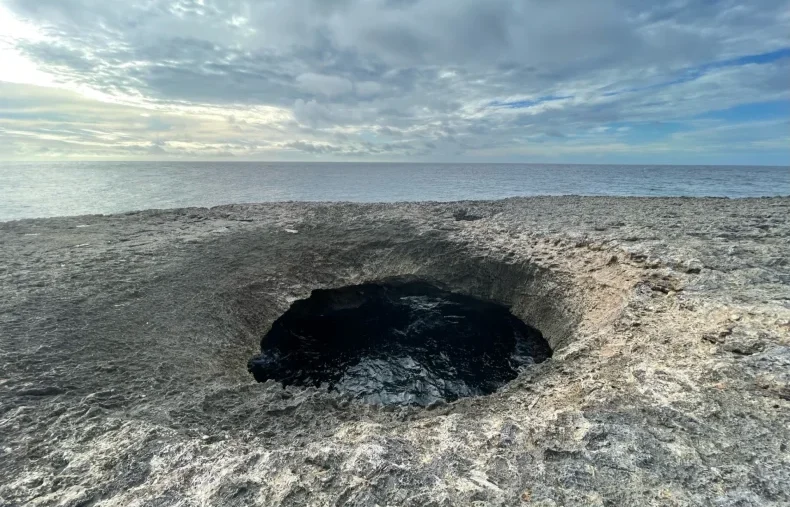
(398, 342)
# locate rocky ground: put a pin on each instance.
(124, 341)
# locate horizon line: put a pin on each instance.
(357, 162)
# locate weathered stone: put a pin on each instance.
(622, 414)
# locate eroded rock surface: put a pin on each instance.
(124, 341)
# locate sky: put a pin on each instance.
(565, 81)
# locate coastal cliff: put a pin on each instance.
(124, 342)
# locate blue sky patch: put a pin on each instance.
(521, 104)
(755, 111)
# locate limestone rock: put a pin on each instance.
(119, 356)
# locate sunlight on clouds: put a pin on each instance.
(384, 81)
(14, 67)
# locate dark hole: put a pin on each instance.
(398, 342)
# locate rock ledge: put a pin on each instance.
(124, 341)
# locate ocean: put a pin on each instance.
(38, 189)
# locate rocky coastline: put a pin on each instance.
(124, 342)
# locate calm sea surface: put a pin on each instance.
(74, 188)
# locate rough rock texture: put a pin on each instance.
(124, 341)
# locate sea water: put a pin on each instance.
(38, 189)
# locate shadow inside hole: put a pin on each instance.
(399, 342)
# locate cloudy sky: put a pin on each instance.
(604, 81)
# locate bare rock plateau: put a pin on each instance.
(125, 341)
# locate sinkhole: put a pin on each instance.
(398, 342)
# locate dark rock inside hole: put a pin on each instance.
(398, 342)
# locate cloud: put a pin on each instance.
(435, 79)
(368, 88)
(320, 84)
(309, 147)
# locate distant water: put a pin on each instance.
(75, 188)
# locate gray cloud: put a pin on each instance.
(322, 84)
(406, 77)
